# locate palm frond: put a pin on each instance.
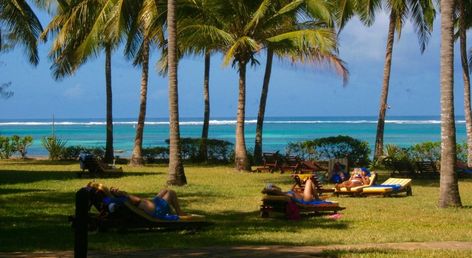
(241, 47)
(367, 9)
(422, 16)
(470, 60)
(23, 25)
(257, 16)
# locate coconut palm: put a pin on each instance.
(422, 14)
(464, 22)
(336, 12)
(148, 28)
(448, 189)
(83, 29)
(176, 168)
(19, 26)
(257, 26)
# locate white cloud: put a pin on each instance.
(75, 91)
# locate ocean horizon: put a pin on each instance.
(278, 131)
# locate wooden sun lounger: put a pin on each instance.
(356, 191)
(391, 186)
(276, 203)
(271, 162)
(128, 216)
(97, 168)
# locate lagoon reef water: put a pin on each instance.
(278, 131)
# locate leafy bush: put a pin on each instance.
(426, 151)
(394, 152)
(7, 147)
(218, 151)
(356, 151)
(21, 144)
(156, 154)
(72, 152)
(54, 146)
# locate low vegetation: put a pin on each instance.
(37, 196)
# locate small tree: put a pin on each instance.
(21, 144)
(6, 147)
(54, 146)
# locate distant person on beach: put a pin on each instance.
(359, 177)
(309, 193)
(160, 205)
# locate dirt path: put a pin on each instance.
(255, 251)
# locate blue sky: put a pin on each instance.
(295, 90)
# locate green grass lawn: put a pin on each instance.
(37, 196)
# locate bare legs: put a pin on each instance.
(168, 195)
(171, 197)
(310, 193)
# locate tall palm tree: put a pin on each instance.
(422, 14)
(83, 29)
(464, 22)
(330, 12)
(147, 29)
(448, 189)
(256, 26)
(206, 111)
(21, 27)
(176, 168)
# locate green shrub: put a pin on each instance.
(218, 151)
(426, 151)
(7, 147)
(21, 144)
(73, 152)
(356, 151)
(54, 146)
(156, 154)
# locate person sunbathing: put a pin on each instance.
(309, 192)
(158, 207)
(359, 177)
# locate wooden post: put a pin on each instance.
(81, 223)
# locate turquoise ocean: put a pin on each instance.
(278, 131)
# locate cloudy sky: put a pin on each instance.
(294, 90)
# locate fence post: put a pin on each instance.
(81, 223)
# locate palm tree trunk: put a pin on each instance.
(109, 127)
(466, 79)
(240, 159)
(206, 115)
(176, 168)
(262, 107)
(136, 156)
(448, 189)
(378, 152)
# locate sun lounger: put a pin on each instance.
(271, 162)
(391, 186)
(278, 203)
(355, 191)
(125, 215)
(97, 168)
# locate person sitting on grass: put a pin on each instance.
(359, 177)
(160, 205)
(309, 193)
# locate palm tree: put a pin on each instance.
(83, 29)
(422, 15)
(331, 12)
(257, 25)
(176, 168)
(448, 190)
(464, 22)
(206, 113)
(21, 27)
(148, 28)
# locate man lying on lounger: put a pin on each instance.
(160, 205)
